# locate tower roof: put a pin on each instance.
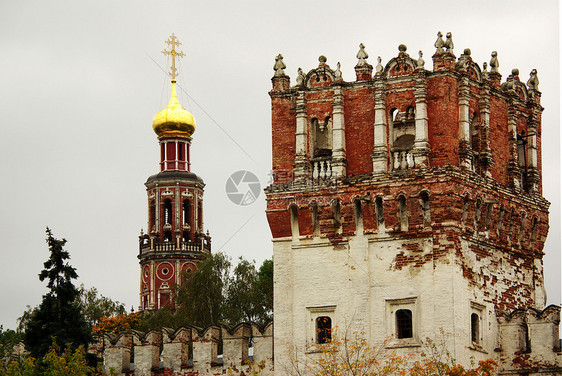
(173, 120)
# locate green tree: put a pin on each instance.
(58, 318)
(8, 339)
(201, 300)
(95, 307)
(250, 293)
(264, 290)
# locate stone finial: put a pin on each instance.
(300, 77)
(322, 59)
(533, 83)
(379, 66)
(449, 42)
(439, 43)
(279, 66)
(420, 63)
(515, 73)
(338, 73)
(362, 56)
(467, 52)
(402, 48)
(494, 64)
(485, 70)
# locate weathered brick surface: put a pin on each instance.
(475, 246)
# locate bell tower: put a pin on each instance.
(175, 240)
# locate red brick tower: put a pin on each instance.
(175, 240)
(405, 202)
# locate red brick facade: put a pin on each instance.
(469, 170)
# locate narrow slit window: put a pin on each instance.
(403, 213)
(315, 223)
(426, 213)
(294, 221)
(379, 211)
(358, 216)
(337, 215)
(475, 327)
(404, 328)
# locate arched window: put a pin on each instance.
(167, 212)
(403, 213)
(186, 212)
(323, 329)
(404, 327)
(168, 236)
(200, 216)
(475, 327)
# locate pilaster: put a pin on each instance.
(339, 161)
(301, 160)
(380, 150)
(465, 148)
(421, 143)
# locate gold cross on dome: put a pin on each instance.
(173, 42)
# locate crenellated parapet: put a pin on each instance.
(189, 351)
(529, 342)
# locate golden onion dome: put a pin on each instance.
(174, 120)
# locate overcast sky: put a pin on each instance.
(81, 80)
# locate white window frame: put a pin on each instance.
(392, 306)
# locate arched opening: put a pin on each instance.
(426, 212)
(379, 212)
(475, 327)
(167, 212)
(358, 216)
(466, 202)
(315, 222)
(167, 236)
(474, 140)
(477, 213)
(404, 328)
(534, 230)
(294, 221)
(200, 216)
(526, 340)
(336, 213)
(403, 213)
(152, 217)
(522, 157)
(521, 227)
(323, 329)
(186, 212)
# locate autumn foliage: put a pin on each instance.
(118, 324)
(351, 355)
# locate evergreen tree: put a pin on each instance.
(58, 318)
